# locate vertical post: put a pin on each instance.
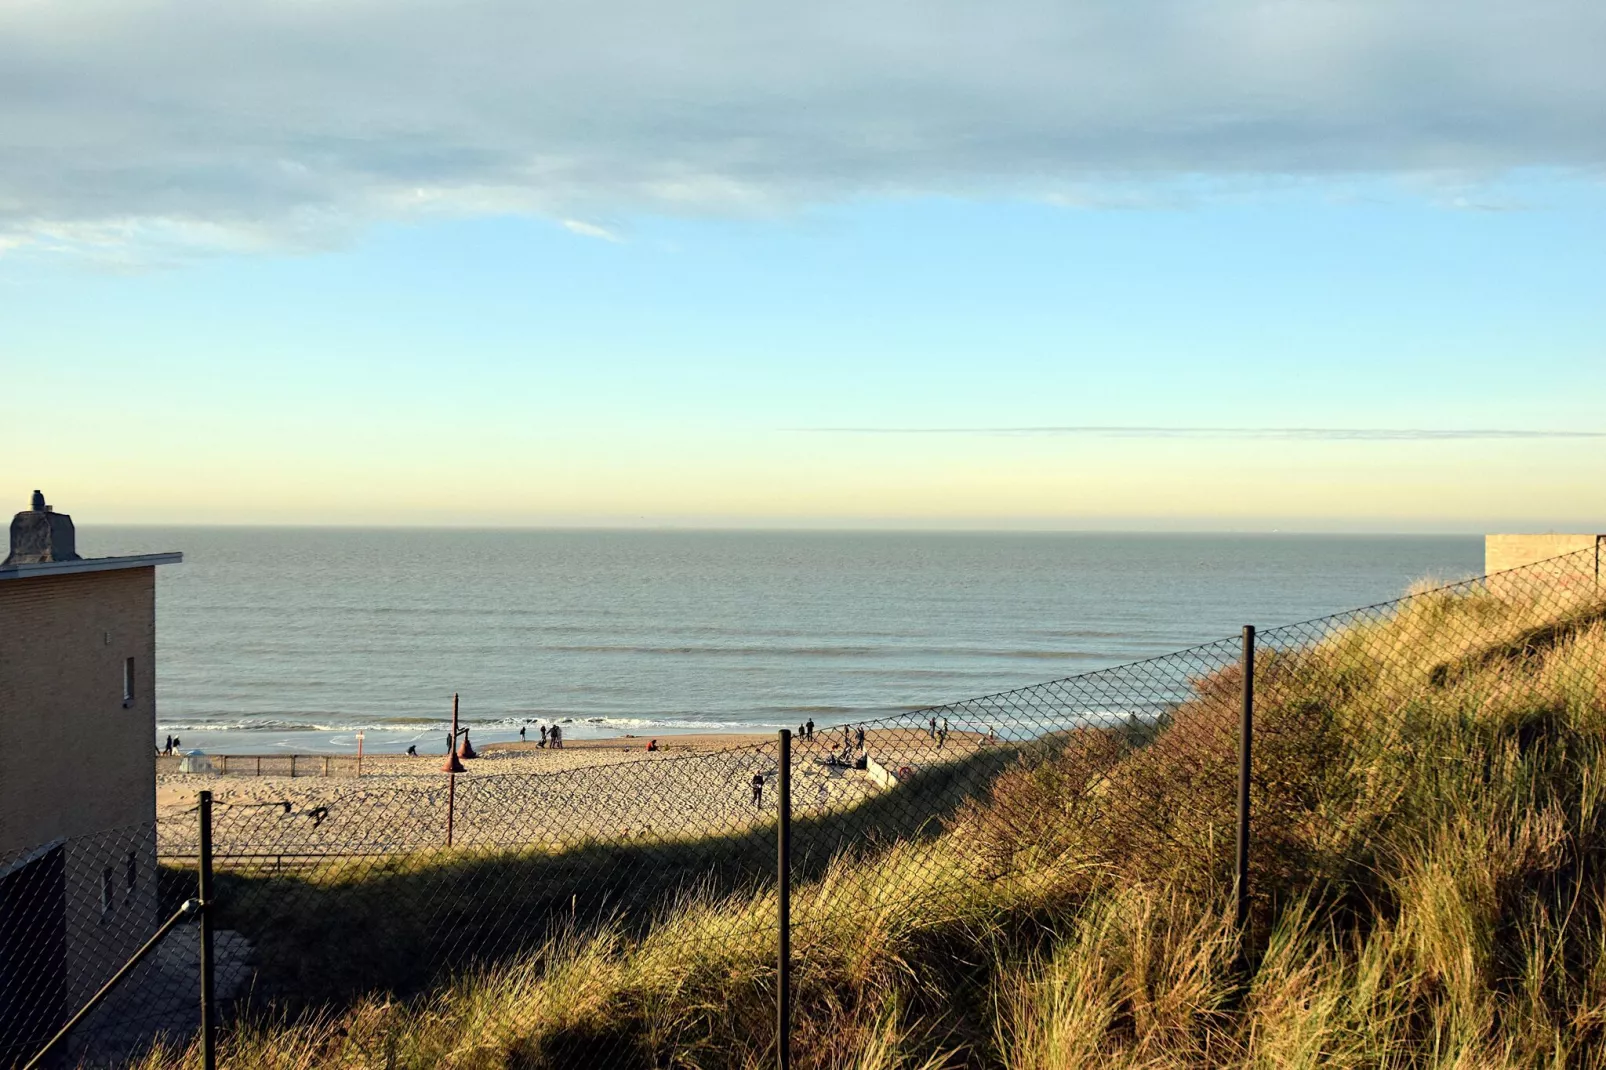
(451, 804)
(204, 893)
(783, 882)
(292, 766)
(1246, 735)
(259, 765)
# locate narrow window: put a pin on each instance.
(106, 890)
(131, 873)
(128, 682)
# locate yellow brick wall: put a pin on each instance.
(74, 763)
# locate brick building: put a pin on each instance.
(77, 770)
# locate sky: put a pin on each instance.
(1271, 265)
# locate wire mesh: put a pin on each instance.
(623, 912)
(72, 913)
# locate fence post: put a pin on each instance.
(783, 881)
(451, 805)
(204, 890)
(1246, 735)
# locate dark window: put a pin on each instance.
(128, 682)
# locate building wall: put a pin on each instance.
(75, 764)
(1502, 552)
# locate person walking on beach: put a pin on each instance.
(543, 737)
(932, 729)
(167, 748)
(809, 729)
(758, 789)
(521, 733)
(556, 737)
(859, 737)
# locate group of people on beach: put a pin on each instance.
(550, 737)
(171, 745)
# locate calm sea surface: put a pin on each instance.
(275, 638)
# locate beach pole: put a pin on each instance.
(451, 769)
(783, 882)
(1246, 727)
(204, 893)
(451, 804)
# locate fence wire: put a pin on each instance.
(623, 912)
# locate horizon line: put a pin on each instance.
(1141, 431)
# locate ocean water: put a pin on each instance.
(283, 638)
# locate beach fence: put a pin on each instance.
(786, 902)
(285, 765)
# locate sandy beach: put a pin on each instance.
(519, 794)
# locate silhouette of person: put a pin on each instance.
(859, 737)
(412, 751)
(758, 789)
(809, 729)
(543, 736)
(521, 733)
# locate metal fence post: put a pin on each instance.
(1246, 734)
(783, 881)
(204, 889)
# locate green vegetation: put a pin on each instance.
(1429, 893)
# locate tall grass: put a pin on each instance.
(1431, 794)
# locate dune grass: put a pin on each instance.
(1429, 892)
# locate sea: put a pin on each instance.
(272, 640)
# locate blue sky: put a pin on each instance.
(843, 336)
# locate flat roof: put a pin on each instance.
(87, 564)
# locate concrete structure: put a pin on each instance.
(77, 769)
(1504, 552)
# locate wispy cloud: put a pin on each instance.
(590, 230)
(295, 122)
(1375, 434)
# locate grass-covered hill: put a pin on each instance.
(1430, 788)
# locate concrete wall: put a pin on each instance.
(75, 763)
(1502, 552)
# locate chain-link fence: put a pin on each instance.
(627, 912)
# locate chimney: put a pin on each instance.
(41, 534)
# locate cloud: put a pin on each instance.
(1315, 434)
(297, 122)
(590, 230)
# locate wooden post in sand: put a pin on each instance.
(451, 768)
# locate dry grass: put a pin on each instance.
(1432, 801)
